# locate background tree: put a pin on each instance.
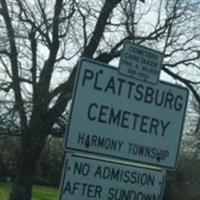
(43, 40)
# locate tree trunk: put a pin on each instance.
(30, 152)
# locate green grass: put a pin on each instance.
(4, 191)
(39, 192)
(44, 193)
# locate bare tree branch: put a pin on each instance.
(188, 83)
(14, 65)
(108, 7)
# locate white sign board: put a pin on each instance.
(89, 179)
(114, 115)
(140, 62)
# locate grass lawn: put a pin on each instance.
(39, 192)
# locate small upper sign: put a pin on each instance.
(140, 63)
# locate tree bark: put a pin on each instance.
(31, 149)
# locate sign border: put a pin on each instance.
(135, 77)
(72, 149)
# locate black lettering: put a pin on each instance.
(136, 116)
(139, 92)
(133, 177)
(169, 100)
(125, 194)
(110, 85)
(98, 172)
(159, 100)
(178, 103)
(98, 191)
(81, 138)
(115, 174)
(88, 75)
(114, 118)
(106, 172)
(166, 154)
(153, 153)
(130, 87)
(147, 151)
(144, 124)
(126, 62)
(103, 114)
(111, 194)
(94, 140)
(139, 195)
(126, 178)
(84, 187)
(76, 186)
(89, 114)
(125, 119)
(141, 150)
(96, 86)
(149, 95)
(164, 127)
(101, 141)
(154, 126)
(143, 179)
(131, 49)
(67, 188)
(81, 168)
(121, 82)
(87, 141)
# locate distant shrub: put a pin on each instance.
(49, 166)
(184, 183)
(9, 151)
